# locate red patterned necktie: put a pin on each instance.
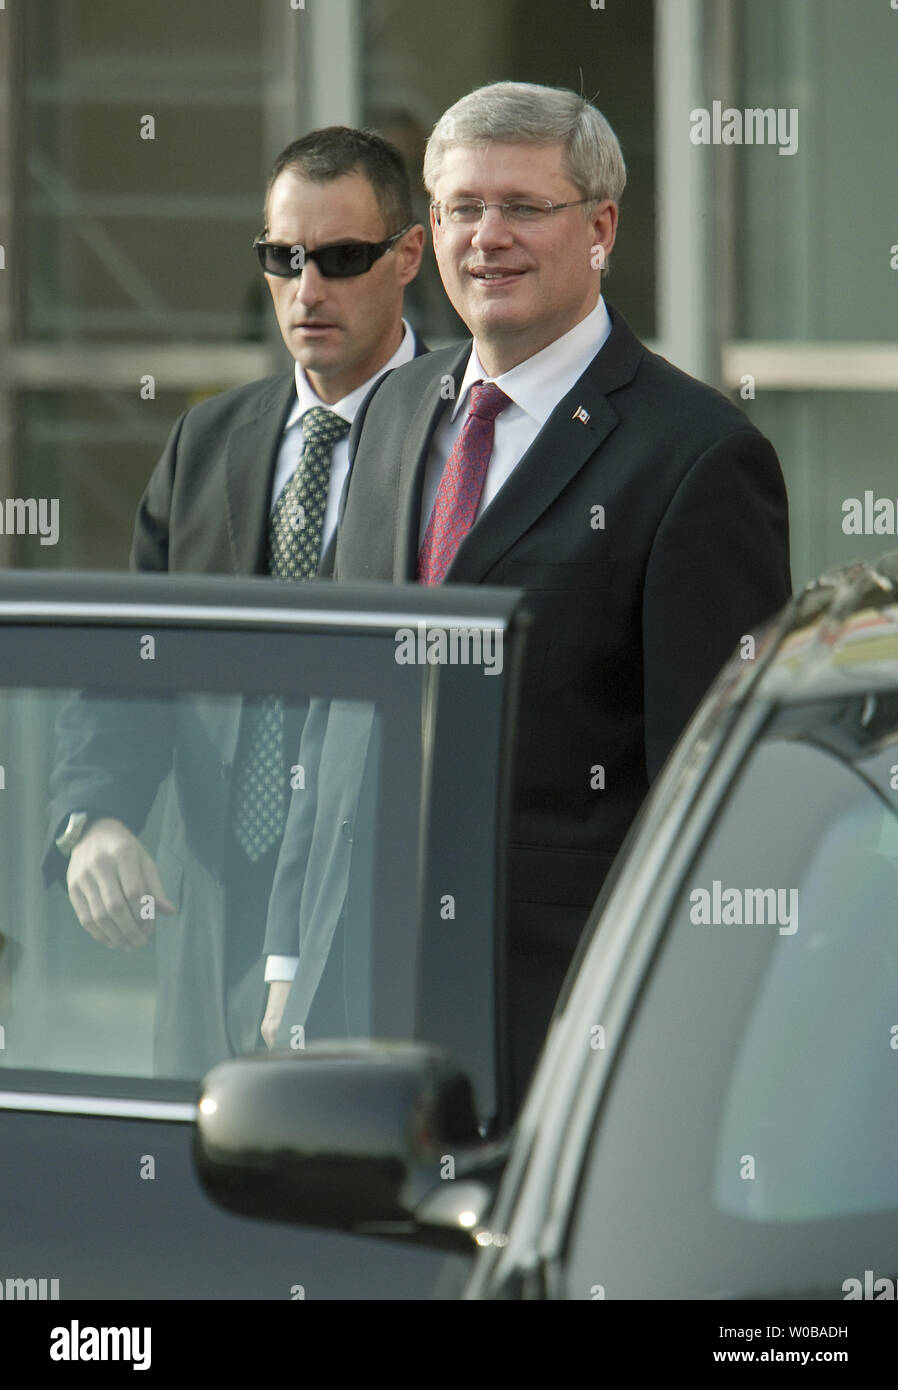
(461, 485)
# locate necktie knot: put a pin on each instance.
(323, 428)
(487, 400)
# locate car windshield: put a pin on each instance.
(389, 801)
(747, 1144)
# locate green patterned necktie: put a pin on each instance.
(294, 549)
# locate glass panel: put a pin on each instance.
(564, 44)
(134, 230)
(834, 447)
(90, 453)
(835, 65)
(748, 1142)
(389, 768)
(81, 1005)
(798, 276)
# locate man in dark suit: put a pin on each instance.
(642, 511)
(249, 483)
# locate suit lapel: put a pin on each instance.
(559, 451)
(250, 459)
(430, 413)
(563, 446)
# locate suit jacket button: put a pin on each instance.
(346, 831)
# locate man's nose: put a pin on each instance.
(492, 230)
(310, 288)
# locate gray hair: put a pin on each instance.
(525, 113)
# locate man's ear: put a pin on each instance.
(411, 249)
(604, 225)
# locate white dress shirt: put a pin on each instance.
(535, 387)
(284, 967)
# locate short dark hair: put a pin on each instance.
(336, 150)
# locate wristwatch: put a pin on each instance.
(75, 828)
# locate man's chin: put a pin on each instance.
(312, 358)
(498, 319)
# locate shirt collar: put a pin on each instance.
(537, 384)
(307, 397)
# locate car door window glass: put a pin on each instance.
(394, 810)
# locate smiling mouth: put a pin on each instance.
(497, 278)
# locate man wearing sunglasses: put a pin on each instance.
(642, 511)
(249, 483)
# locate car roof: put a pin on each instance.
(838, 636)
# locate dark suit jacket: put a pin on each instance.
(205, 510)
(636, 607)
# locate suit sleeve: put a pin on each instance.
(149, 543)
(282, 928)
(111, 755)
(718, 569)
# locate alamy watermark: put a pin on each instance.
(870, 515)
(29, 1288)
(450, 646)
(873, 1288)
(736, 907)
(88, 1343)
(30, 516)
(755, 125)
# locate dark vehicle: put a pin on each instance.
(99, 1195)
(714, 1114)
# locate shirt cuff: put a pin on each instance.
(280, 968)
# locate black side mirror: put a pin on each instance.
(375, 1138)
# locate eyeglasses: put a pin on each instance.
(335, 262)
(467, 212)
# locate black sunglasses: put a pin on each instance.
(334, 262)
